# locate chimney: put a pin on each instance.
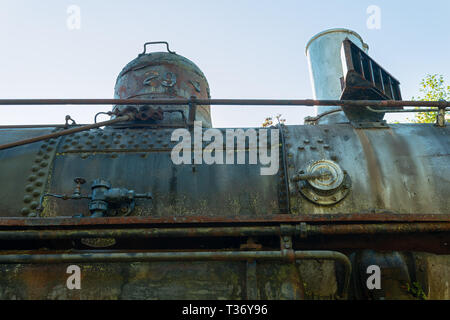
(326, 71)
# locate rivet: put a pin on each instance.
(36, 193)
(326, 146)
(104, 137)
(32, 214)
(41, 173)
(165, 145)
(118, 135)
(39, 183)
(116, 141)
(143, 155)
(49, 148)
(136, 146)
(37, 160)
(91, 137)
(107, 146)
(25, 211)
(32, 177)
(320, 141)
(88, 142)
(122, 145)
(301, 148)
(94, 146)
(85, 134)
(34, 205)
(84, 156)
(44, 146)
(29, 187)
(114, 155)
(306, 141)
(44, 164)
(65, 146)
(102, 142)
(34, 168)
(52, 141)
(46, 156)
(79, 147)
(313, 147)
(27, 199)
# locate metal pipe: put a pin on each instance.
(285, 255)
(253, 102)
(382, 228)
(289, 229)
(405, 111)
(146, 233)
(65, 132)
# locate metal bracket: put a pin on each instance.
(440, 117)
(192, 111)
(370, 125)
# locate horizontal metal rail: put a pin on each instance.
(134, 221)
(284, 255)
(65, 132)
(241, 102)
(292, 230)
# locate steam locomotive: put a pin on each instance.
(358, 208)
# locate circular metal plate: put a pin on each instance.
(333, 175)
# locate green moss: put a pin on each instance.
(416, 290)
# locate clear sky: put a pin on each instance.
(246, 49)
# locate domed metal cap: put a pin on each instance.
(164, 75)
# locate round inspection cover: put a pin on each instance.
(333, 175)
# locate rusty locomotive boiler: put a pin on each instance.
(348, 192)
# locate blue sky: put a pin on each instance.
(246, 49)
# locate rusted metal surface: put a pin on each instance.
(244, 219)
(162, 75)
(286, 255)
(293, 230)
(389, 171)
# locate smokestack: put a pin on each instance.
(326, 71)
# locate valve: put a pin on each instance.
(104, 200)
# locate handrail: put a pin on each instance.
(242, 102)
